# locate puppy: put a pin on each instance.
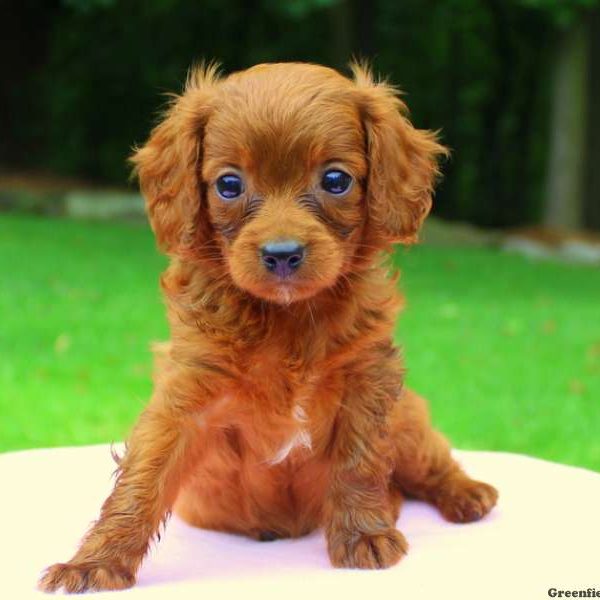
(279, 404)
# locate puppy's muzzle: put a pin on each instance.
(282, 258)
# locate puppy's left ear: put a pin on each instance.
(403, 161)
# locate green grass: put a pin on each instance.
(507, 350)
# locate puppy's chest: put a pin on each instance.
(272, 378)
(296, 438)
(288, 413)
(281, 425)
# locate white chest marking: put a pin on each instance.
(299, 414)
(301, 439)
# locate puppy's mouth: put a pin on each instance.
(285, 290)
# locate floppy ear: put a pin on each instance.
(168, 165)
(402, 161)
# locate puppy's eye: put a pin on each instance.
(336, 182)
(229, 186)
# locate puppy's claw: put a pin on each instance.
(466, 501)
(75, 578)
(369, 551)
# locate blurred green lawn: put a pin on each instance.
(507, 350)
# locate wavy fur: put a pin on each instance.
(279, 405)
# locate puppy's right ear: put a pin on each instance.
(168, 165)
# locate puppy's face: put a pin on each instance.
(284, 167)
(286, 174)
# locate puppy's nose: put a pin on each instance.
(282, 258)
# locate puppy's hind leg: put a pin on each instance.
(426, 470)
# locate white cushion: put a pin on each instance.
(545, 533)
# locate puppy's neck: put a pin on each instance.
(202, 297)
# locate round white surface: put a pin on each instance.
(544, 533)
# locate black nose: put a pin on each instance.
(282, 258)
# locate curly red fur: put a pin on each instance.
(279, 403)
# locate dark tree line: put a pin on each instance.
(83, 80)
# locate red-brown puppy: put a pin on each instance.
(279, 404)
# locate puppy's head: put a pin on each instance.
(287, 176)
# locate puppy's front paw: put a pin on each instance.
(77, 577)
(466, 500)
(368, 551)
